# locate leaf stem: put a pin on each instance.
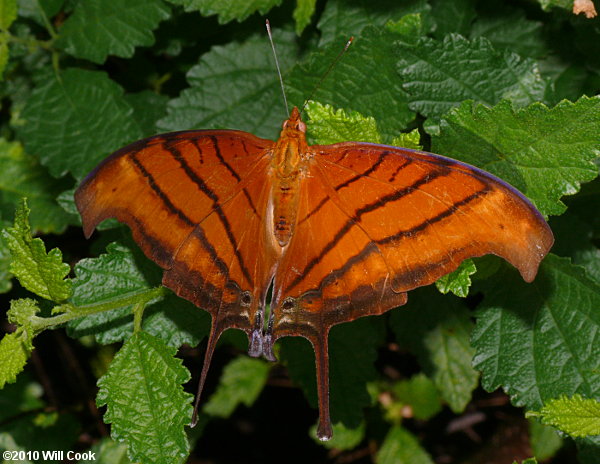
(138, 312)
(139, 300)
(28, 41)
(47, 22)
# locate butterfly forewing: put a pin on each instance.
(195, 202)
(426, 213)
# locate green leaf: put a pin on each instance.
(252, 101)
(39, 272)
(545, 153)
(3, 53)
(176, 321)
(121, 273)
(327, 125)
(228, 10)
(527, 461)
(575, 415)
(437, 329)
(76, 119)
(420, 393)
(242, 381)
(344, 438)
(439, 75)
(545, 441)
(39, 11)
(547, 4)
(401, 447)
(15, 349)
(303, 13)
(21, 313)
(343, 19)
(410, 140)
(453, 16)
(538, 341)
(24, 66)
(148, 108)
(569, 81)
(574, 239)
(5, 275)
(130, 24)
(510, 30)
(459, 280)
(8, 13)
(410, 27)
(146, 405)
(352, 354)
(113, 275)
(22, 176)
(353, 84)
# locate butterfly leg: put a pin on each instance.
(267, 349)
(255, 347)
(261, 340)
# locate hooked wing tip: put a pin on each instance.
(85, 207)
(539, 249)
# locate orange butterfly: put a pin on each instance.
(341, 231)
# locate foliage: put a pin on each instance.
(508, 87)
(144, 382)
(39, 272)
(241, 382)
(577, 416)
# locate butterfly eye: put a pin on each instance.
(285, 123)
(302, 127)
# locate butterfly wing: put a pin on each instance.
(407, 215)
(195, 202)
(375, 222)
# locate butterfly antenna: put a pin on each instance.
(324, 76)
(287, 111)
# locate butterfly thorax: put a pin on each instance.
(287, 167)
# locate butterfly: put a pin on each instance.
(337, 231)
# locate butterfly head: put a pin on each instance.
(294, 123)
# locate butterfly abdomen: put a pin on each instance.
(285, 207)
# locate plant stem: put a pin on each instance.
(138, 312)
(139, 300)
(47, 22)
